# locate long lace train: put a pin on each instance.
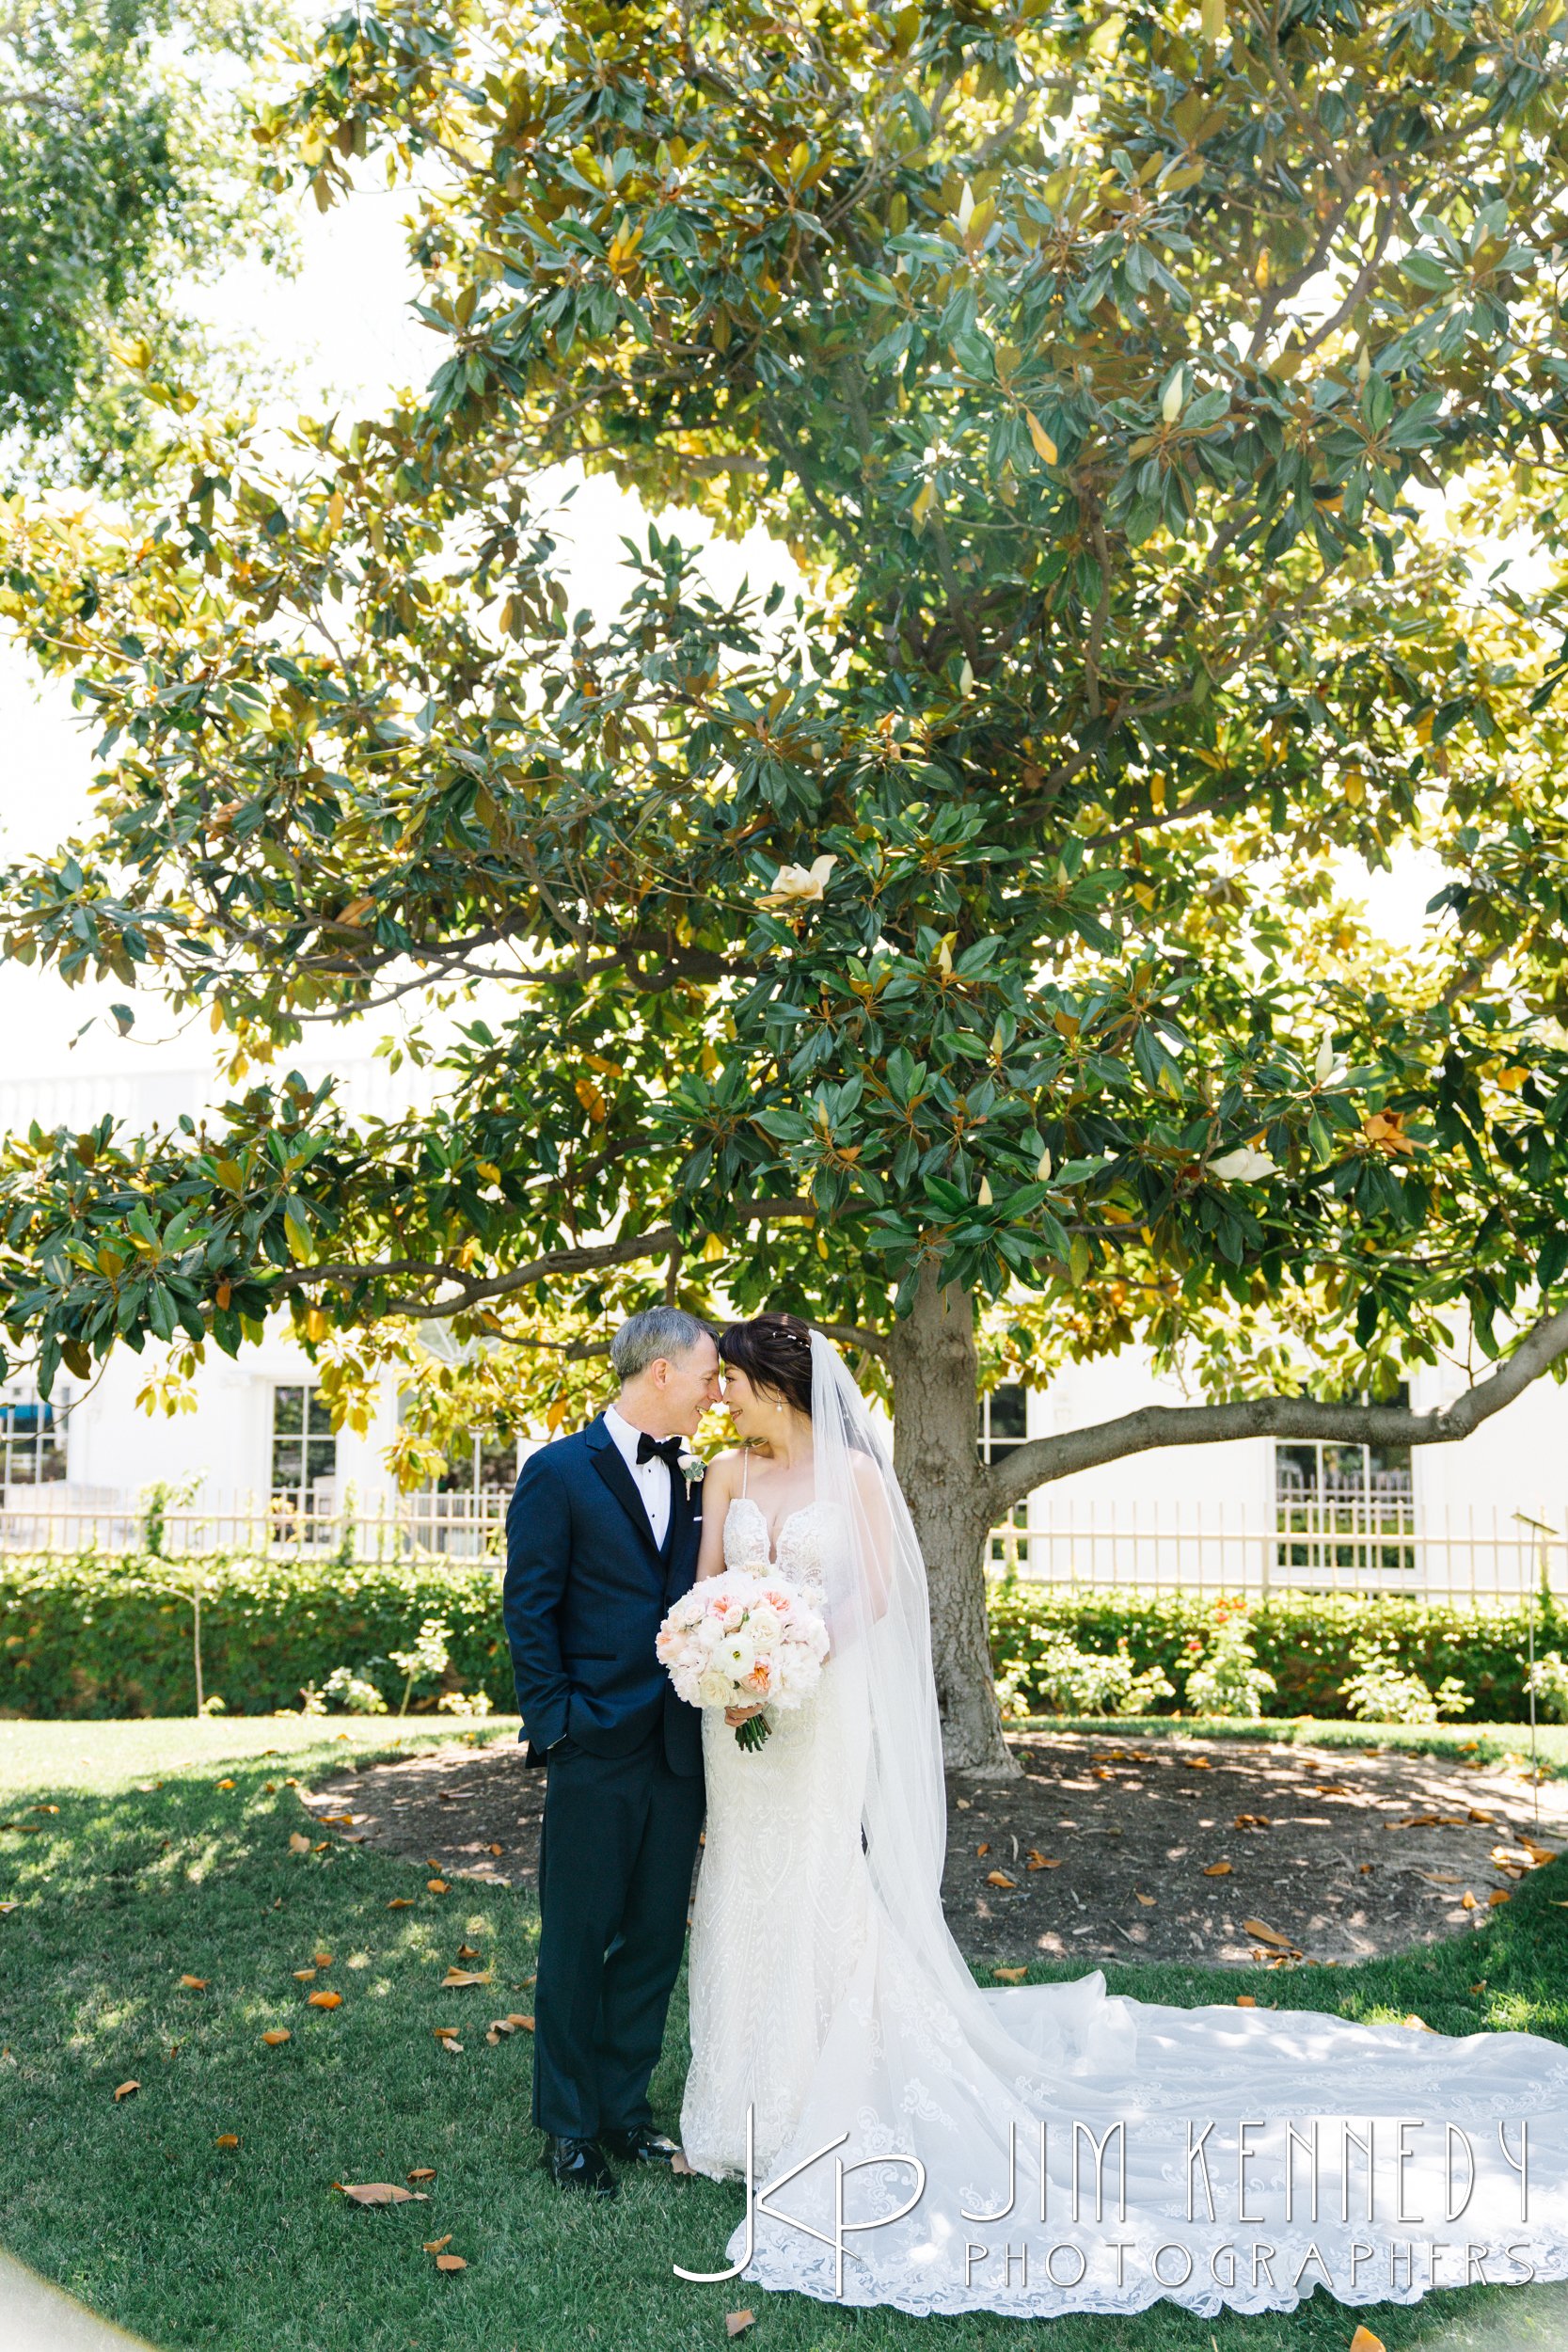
(1261, 2154)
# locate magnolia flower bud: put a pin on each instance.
(1170, 403)
(984, 1195)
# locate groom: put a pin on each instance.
(601, 1537)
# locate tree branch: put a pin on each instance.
(1044, 1459)
(474, 1292)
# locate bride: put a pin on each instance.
(910, 2138)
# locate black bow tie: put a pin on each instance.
(668, 1449)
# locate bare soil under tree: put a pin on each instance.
(1105, 1848)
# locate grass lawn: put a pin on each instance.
(152, 1868)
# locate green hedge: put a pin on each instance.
(1304, 1640)
(94, 1636)
(97, 1637)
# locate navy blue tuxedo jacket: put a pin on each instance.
(586, 1588)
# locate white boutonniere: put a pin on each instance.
(693, 1470)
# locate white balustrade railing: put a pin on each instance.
(1343, 1542)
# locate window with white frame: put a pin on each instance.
(1004, 1423)
(304, 1444)
(1333, 1497)
(32, 1435)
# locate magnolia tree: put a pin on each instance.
(1135, 397)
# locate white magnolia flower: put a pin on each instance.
(797, 885)
(1243, 1166)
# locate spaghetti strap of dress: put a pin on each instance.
(745, 1465)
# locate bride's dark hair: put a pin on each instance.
(775, 1352)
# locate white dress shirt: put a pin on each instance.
(652, 1476)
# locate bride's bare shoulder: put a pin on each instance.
(725, 1467)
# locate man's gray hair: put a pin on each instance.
(657, 1331)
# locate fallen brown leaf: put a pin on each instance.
(523, 2023)
(1364, 2341)
(451, 2262)
(1195, 1763)
(1467, 1901)
(298, 1842)
(422, 2173)
(198, 1984)
(679, 2164)
(436, 1886)
(323, 1959)
(1216, 1869)
(468, 1951)
(400, 1902)
(1418, 2024)
(1009, 1976)
(1247, 2000)
(497, 1850)
(983, 1848)
(1038, 1861)
(466, 1976)
(227, 2139)
(1495, 1896)
(225, 1784)
(380, 2193)
(435, 2244)
(999, 1878)
(125, 2089)
(275, 2034)
(1268, 1935)
(1147, 1901)
(305, 1975)
(324, 2000)
(736, 2323)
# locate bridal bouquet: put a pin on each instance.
(737, 1640)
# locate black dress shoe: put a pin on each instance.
(579, 2164)
(642, 2144)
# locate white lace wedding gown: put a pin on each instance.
(827, 2016)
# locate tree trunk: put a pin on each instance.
(935, 1391)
